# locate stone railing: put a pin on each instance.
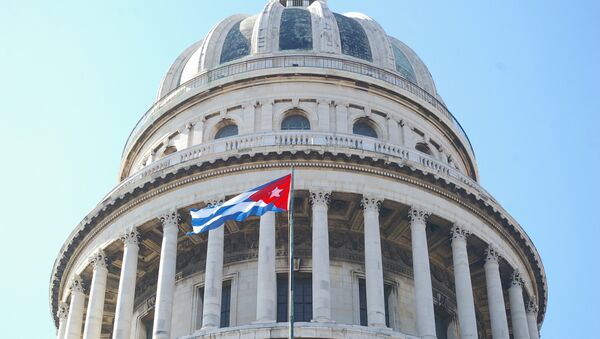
(297, 142)
(206, 79)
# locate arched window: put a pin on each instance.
(423, 148)
(365, 128)
(295, 123)
(227, 131)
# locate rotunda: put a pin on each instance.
(395, 238)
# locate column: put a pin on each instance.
(166, 277)
(323, 114)
(62, 314)
(373, 263)
(213, 279)
(320, 254)
(518, 316)
(95, 310)
(75, 318)
(532, 315)
(463, 285)
(341, 118)
(422, 273)
(266, 292)
(125, 298)
(495, 295)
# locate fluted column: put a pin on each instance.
(320, 253)
(422, 273)
(125, 298)
(95, 310)
(462, 281)
(76, 308)
(532, 315)
(266, 293)
(213, 279)
(166, 277)
(518, 316)
(62, 314)
(495, 295)
(373, 263)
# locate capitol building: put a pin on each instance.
(394, 236)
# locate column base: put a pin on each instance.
(322, 321)
(263, 322)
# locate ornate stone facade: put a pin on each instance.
(394, 238)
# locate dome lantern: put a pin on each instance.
(296, 3)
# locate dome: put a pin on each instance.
(292, 27)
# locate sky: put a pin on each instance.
(520, 76)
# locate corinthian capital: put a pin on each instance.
(517, 279)
(76, 284)
(371, 203)
(99, 260)
(170, 219)
(131, 237)
(532, 306)
(63, 311)
(319, 197)
(459, 232)
(418, 214)
(492, 255)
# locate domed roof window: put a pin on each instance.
(295, 32)
(295, 123)
(227, 131)
(365, 128)
(237, 42)
(354, 39)
(403, 66)
(296, 3)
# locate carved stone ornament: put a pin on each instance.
(320, 197)
(215, 202)
(170, 219)
(63, 311)
(532, 306)
(459, 232)
(76, 285)
(371, 203)
(131, 237)
(517, 279)
(492, 255)
(418, 214)
(99, 260)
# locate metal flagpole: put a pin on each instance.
(291, 255)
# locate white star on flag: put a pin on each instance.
(276, 193)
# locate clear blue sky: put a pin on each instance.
(521, 77)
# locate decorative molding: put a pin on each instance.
(371, 203)
(99, 260)
(459, 232)
(76, 284)
(170, 219)
(320, 197)
(418, 214)
(532, 306)
(63, 311)
(215, 202)
(492, 255)
(131, 237)
(517, 279)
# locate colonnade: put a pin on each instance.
(524, 317)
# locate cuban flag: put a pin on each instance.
(271, 197)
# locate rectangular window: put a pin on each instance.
(362, 300)
(302, 298)
(225, 305)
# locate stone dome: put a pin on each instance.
(298, 26)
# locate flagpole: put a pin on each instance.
(291, 257)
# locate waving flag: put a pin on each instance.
(271, 197)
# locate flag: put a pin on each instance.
(270, 197)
